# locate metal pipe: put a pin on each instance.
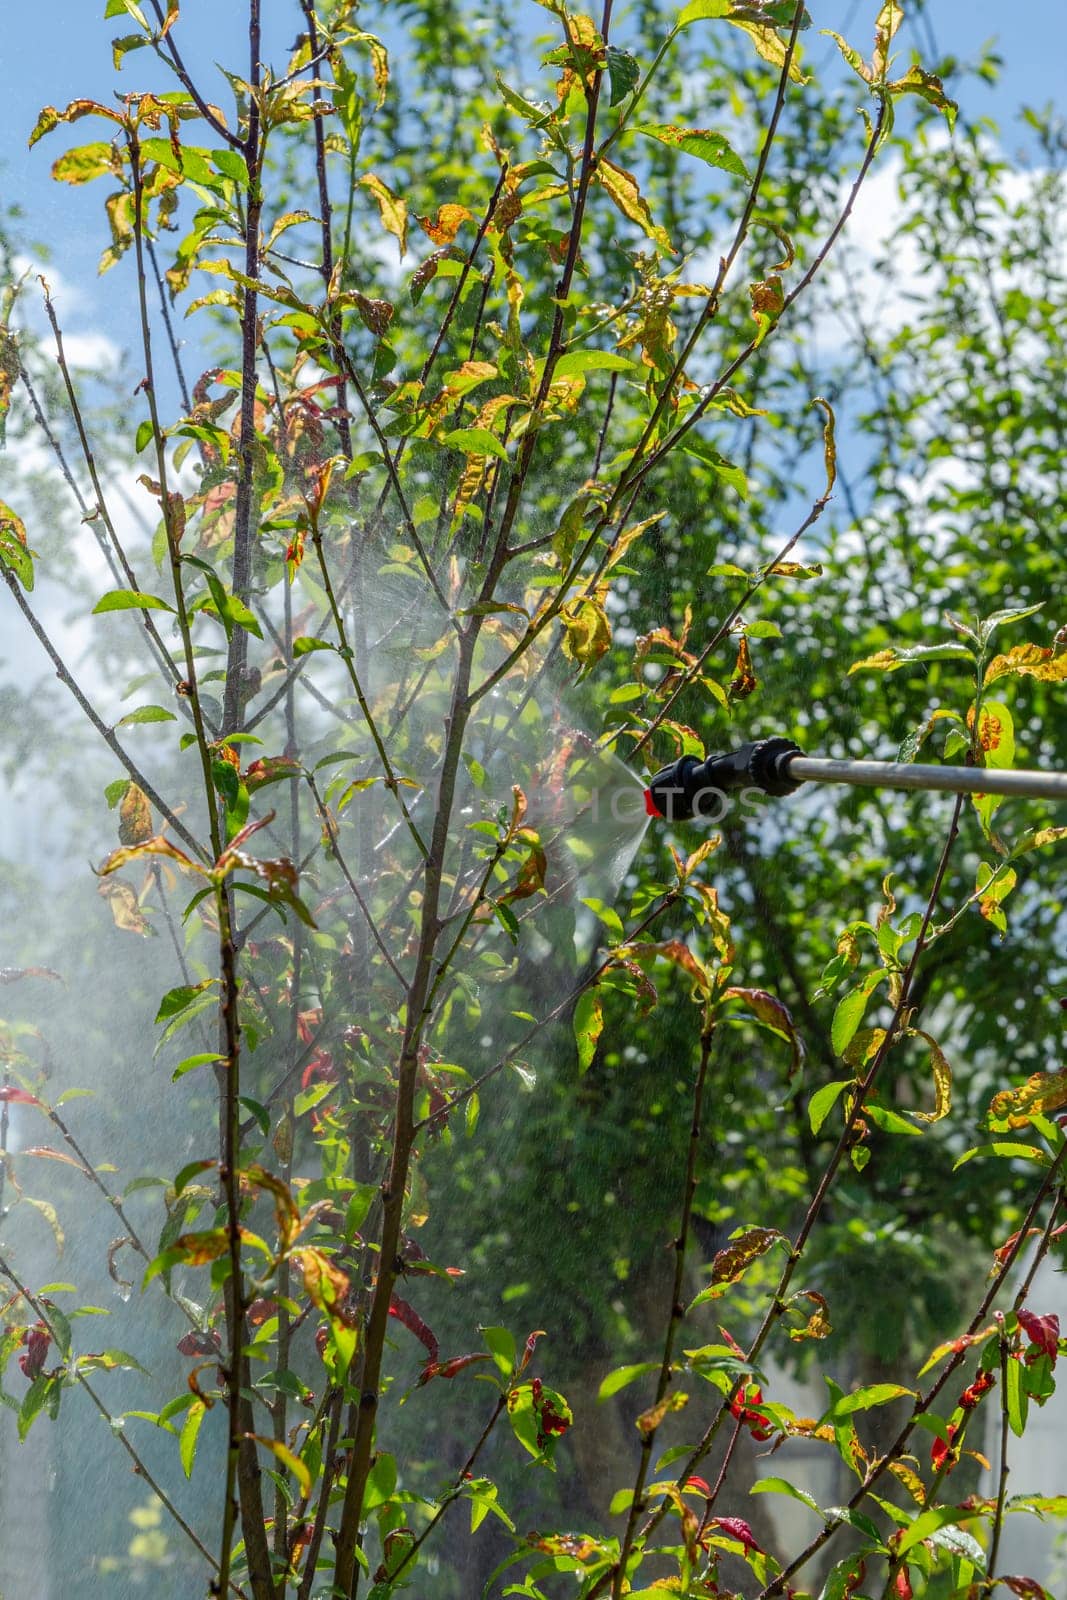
(689, 786)
(1012, 782)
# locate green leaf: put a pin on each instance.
(1007, 1148)
(929, 1522)
(889, 1121)
(189, 1435)
(823, 1100)
(624, 72)
(713, 148)
(176, 1000)
(850, 1010)
(588, 1026)
(577, 361)
(780, 1486)
(501, 1345)
(192, 1062)
(731, 474)
(623, 1376)
(146, 714)
(698, 10)
(873, 1394)
(475, 442)
(130, 600)
(305, 644)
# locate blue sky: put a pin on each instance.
(55, 53)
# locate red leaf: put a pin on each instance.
(1042, 1331)
(902, 1586)
(449, 1369)
(410, 1318)
(1025, 1588)
(527, 1353)
(36, 1339)
(736, 1528)
(195, 1343)
(19, 1097)
(942, 1453)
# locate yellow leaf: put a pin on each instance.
(771, 46)
(650, 1420)
(586, 630)
(1030, 661)
(135, 816)
(1041, 1093)
(443, 228)
(622, 187)
(942, 1080)
(394, 212)
(125, 908)
(289, 1461)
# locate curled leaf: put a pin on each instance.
(1041, 1093)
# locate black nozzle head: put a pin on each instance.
(690, 787)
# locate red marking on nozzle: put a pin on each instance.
(651, 807)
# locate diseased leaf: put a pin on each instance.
(891, 659)
(325, 1283)
(713, 148)
(622, 187)
(650, 1420)
(731, 1263)
(289, 1461)
(942, 1080)
(443, 228)
(135, 816)
(393, 211)
(125, 907)
(818, 1323)
(774, 1015)
(189, 1435)
(588, 1026)
(15, 555)
(928, 86)
(624, 72)
(1029, 661)
(1042, 1093)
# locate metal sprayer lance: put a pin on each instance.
(690, 787)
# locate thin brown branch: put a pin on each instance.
(863, 1090)
(115, 1428)
(107, 734)
(676, 1313)
(166, 661)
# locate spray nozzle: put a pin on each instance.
(689, 786)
